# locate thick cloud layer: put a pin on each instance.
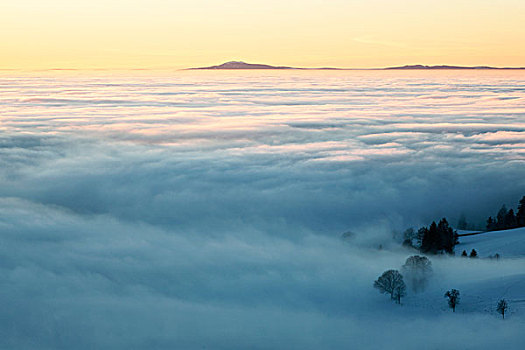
(200, 210)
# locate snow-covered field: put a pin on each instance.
(507, 243)
(482, 281)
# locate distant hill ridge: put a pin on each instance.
(419, 66)
(244, 65)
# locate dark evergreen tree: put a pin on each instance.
(439, 237)
(473, 253)
(520, 215)
(430, 241)
(510, 220)
(453, 298)
(419, 236)
(491, 224)
(464, 254)
(502, 213)
(447, 236)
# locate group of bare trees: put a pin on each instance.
(453, 301)
(418, 270)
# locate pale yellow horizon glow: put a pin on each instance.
(164, 34)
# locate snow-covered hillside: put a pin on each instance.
(481, 281)
(507, 243)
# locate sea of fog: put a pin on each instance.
(204, 210)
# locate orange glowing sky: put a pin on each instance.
(81, 34)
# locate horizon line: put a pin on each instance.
(271, 67)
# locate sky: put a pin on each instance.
(162, 34)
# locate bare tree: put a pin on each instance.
(417, 269)
(453, 298)
(391, 282)
(502, 307)
(399, 291)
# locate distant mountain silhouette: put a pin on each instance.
(244, 65)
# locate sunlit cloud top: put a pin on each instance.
(37, 34)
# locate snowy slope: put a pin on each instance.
(508, 243)
(477, 296)
(482, 282)
(484, 295)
